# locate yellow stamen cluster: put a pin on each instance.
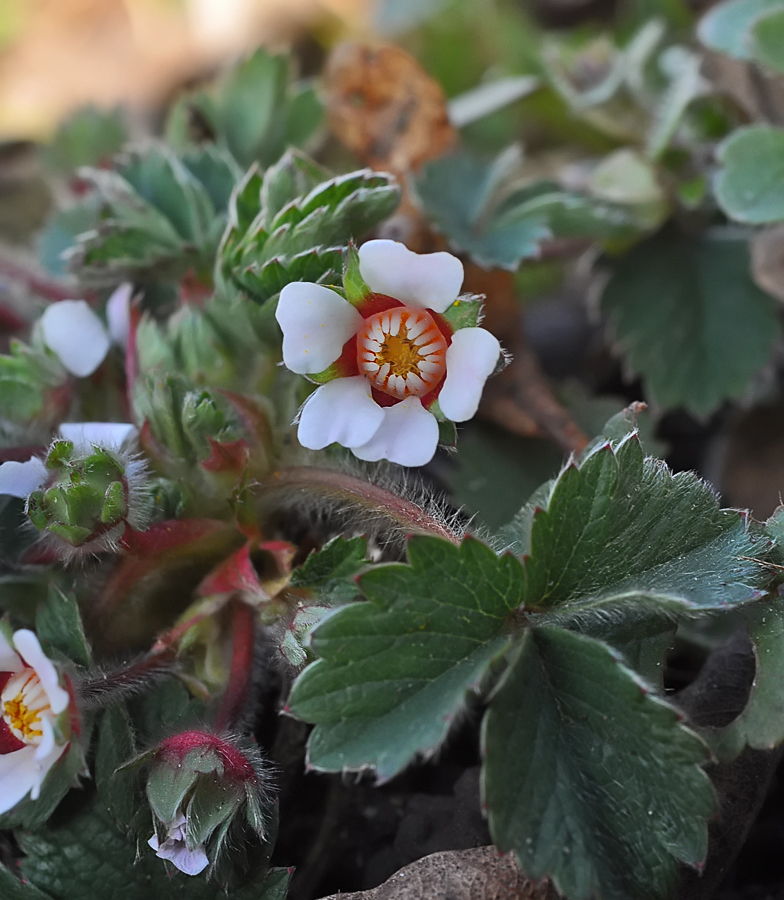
(24, 701)
(402, 352)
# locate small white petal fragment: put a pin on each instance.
(341, 411)
(316, 323)
(118, 314)
(470, 360)
(106, 434)
(18, 479)
(174, 849)
(76, 335)
(429, 280)
(29, 649)
(407, 436)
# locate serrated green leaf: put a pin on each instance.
(587, 777)
(216, 171)
(330, 573)
(394, 671)
(293, 175)
(63, 860)
(117, 790)
(60, 233)
(725, 27)
(690, 319)
(750, 187)
(620, 526)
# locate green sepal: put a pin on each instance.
(353, 283)
(465, 312)
(58, 624)
(114, 507)
(60, 454)
(167, 786)
(214, 800)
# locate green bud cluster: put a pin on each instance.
(87, 498)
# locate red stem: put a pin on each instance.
(51, 290)
(243, 628)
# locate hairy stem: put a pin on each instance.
(339, 487)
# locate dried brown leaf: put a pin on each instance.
(478, 874)
(385, 108)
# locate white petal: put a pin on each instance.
(430, 280)
(118, 313)
(30, 650)
(44, 764)
(19, 774)
(341, 411)
(105, 434)
(47, 739)
(407, 436)
(154, 842)
(470, 360)
(10, 661)
(22, 478)
(74, 332)
(316, 322)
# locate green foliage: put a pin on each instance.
(689, 318)
(63, 858)
(158, 216)
(726, 26)
(767, 39)
(394, 672)
(330, 574)
(117, 790)
(58, 623)
(89, 137)
(292, 225)
(749, 187)
(587, 777)
(254, 111)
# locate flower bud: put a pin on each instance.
(199, 786)
(89, 496)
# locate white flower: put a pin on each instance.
(387, 360)
(118, 314)
(31, 699)
(174, 848)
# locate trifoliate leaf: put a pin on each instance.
(63, 860)
(481, 210)
(689, 318)
(394, 671)
(750, 187)
(330, 573)
(460, 194)
(587, 777)
(58, 624)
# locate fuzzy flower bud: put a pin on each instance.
(198, 787)
(87, 490)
